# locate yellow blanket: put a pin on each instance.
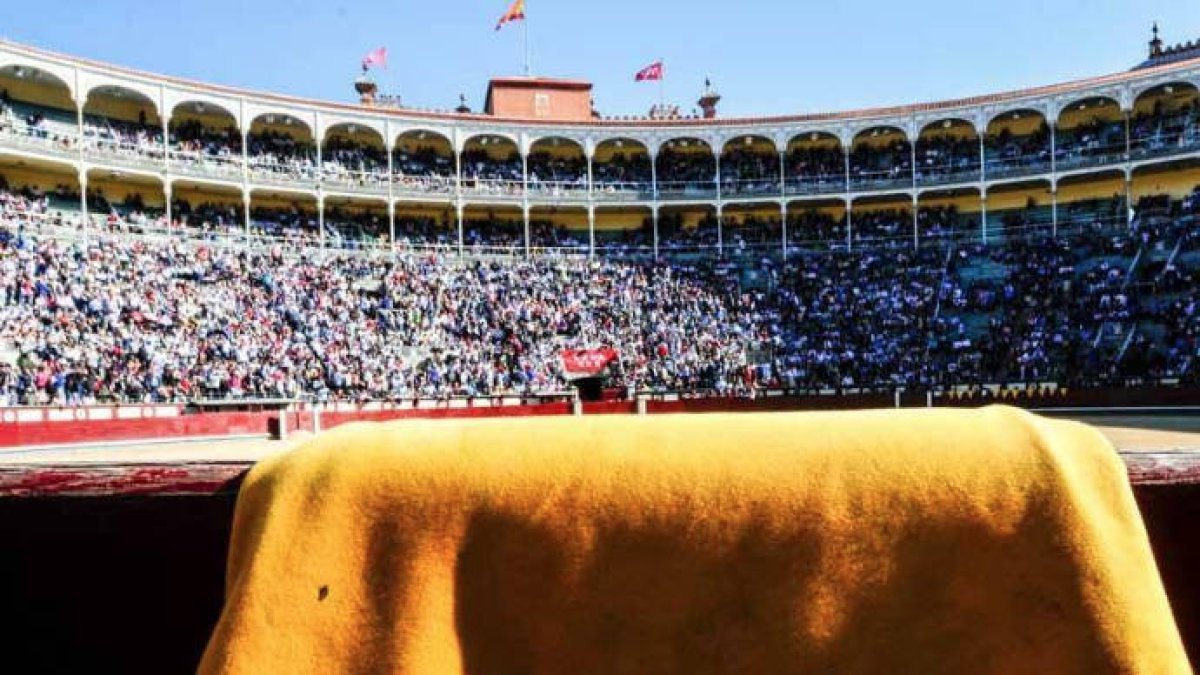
(880, 542)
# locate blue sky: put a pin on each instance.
(765, 56)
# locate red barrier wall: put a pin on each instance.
(97, 424)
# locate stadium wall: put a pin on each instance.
(36, 427)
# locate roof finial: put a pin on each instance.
(1156, 43)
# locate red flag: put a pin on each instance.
(580, 363)
(514, 13)
(376, 57)
(654, 71)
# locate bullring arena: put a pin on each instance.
(198, 280)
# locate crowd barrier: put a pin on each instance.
(54, 426)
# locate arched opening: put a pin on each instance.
(949, 217)
(36, 107)
(281, 149)
(357, 224)
(750, 165)
(882, 223)
(421, 227)
(686, 168)
(1090, 132)
(817, 226)
(558, 231)
(751, 231)
(423, 162)
(881, 159)
(1092, 204)
(621, 170)
(354, 158)
(1019, 210)
(557, 168)
(1017, 143)
(625, 232)
(816, 164)
(1166, 121)
(37, 195)
(123, 125)
(491, 165)
(123, 202)
(205, 139)
(688, 231)
(498, 230)
(207, 211)
(285, 218)
(948, 151)
(1167, 207)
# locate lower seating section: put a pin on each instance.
(127, 317)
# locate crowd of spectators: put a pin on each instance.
(684, 170)
(945, 158)
(491, 174)
(749, 171)
(130, 139)
(423, 169)
(623, 172)
(815, 168)
(881, 164)
(128, 318)
(278, 153)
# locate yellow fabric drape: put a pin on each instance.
(922, 542)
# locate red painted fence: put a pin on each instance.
(27, 427)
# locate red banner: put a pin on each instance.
(581, 363)
(650, 73)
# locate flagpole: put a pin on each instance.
(661, 77)
(525, 33)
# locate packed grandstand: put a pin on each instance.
(163, 240)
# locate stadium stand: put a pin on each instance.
(1038, 239)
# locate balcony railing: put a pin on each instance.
(493, 188)
(682, 190)
(1168, 140)
(145, 156)
(1014, 166)
(867, 181)
(227, 167)
(751, 187)
(834, 183)
(948, 174)
(616, 191)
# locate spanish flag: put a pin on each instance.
(514, 13)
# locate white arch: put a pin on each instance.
(1039, 111)
(327, 124)
(254, 111)
(91, 82)
(890, 128)
(329, 128)
(1137, 94)
(173, 98)
(64, 75)
(579, 143)
(445, 134)
(252, 118)
(1107, 97)
(662, 142)
(623, 139)
(942, 121)
(750, 134)
(807, 135)
(469, 136)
